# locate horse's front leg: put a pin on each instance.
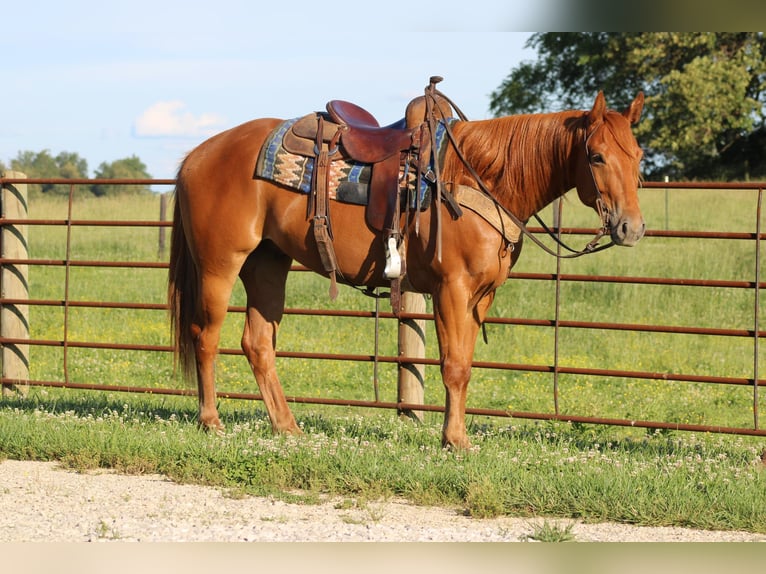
(457, 323)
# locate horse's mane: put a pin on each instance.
(522, 159)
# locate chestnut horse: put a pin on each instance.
(228, 223)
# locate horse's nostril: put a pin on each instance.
(624, 228)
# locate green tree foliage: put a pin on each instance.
(705, 113)
(128, 168)
(42, 164)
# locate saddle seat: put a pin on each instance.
(364, 139)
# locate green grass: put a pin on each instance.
(537, 470)
(676, 402)
(522, 468)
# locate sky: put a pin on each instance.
(108, 80)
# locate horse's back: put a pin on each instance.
(227, 153)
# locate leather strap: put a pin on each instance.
(322, 228)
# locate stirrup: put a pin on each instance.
(393, 260)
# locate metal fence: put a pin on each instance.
(14, 304)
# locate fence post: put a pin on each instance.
(163, 217)
(14, 318)
(412, 344)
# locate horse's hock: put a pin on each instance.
(14, 288)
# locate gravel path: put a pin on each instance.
(41, 502)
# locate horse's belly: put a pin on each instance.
(359, 251)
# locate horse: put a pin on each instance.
(227, 223)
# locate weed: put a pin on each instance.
(551, 532)
(106, 531)
(281, 519)
(346, 504)
(484, 499)
(235, 493)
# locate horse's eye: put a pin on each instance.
(597, 159)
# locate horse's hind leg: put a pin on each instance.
(206, 331)
(264, 276)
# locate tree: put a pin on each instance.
(705, 112)
(71, 165)
(43, 164)
(128, 168)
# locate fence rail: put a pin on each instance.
(11, 262)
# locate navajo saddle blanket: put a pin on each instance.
(348, 180)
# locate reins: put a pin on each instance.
(592, 247)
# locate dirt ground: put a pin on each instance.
(41, 502)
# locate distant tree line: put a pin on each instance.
(70, 165)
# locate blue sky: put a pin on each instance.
(155, 78)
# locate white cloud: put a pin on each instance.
(172, 119)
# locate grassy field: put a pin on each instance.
(551, 469)
(632, 475)
(677, 402)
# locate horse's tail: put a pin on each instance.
(183, 290)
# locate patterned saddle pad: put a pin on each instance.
(348, 180)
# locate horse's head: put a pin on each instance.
(608, 170)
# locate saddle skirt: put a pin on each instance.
(287, 157)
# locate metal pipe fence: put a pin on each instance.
(558, 278)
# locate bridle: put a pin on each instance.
(603, 211)
(601, 208)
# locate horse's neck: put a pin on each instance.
(525, 161)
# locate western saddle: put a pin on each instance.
(348, 131)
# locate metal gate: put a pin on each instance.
(16, 299)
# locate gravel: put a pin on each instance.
(39, 501)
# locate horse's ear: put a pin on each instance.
(599, 109)
(633, 113)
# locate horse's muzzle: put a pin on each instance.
(628, 231)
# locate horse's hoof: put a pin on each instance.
(456, 445)
(215, 427)
(292, 431)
